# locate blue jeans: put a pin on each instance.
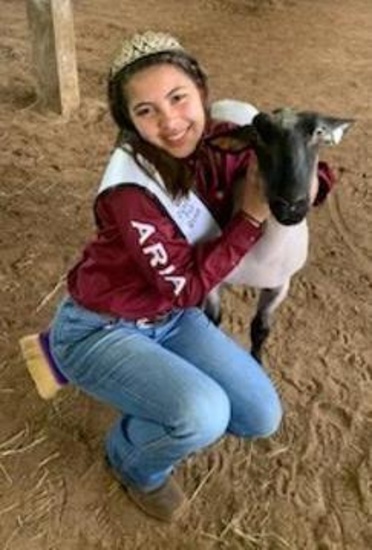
(179, 385)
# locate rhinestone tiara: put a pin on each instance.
(143, 45)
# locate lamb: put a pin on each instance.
(287, 146)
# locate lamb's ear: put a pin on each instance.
(330, 130)
(236, 140)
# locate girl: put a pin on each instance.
(131, 331)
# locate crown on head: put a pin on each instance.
(143, 45)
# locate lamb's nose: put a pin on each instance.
(289, 212)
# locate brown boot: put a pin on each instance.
(163, 503)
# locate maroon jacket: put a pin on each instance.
(140, 265)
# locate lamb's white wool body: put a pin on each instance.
(277, 255)
(283, 248)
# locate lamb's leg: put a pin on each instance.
(269, 300)
(212, 307)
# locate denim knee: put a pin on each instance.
(269, 419)
(259, 419)
(202, 416)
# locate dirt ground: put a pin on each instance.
(310, 486)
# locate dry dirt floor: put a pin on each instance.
(310, 486)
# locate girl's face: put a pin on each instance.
(167, 108)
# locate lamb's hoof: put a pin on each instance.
(215, 318)
(257, 355)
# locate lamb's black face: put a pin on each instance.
(289, 213)
(287, 159)
(286, 144)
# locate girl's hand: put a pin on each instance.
(252, 198)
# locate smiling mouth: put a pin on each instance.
(177, 138)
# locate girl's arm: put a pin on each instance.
(181, 272)
(326, 180)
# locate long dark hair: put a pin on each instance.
(177, 178)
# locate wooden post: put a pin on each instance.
(53, 50)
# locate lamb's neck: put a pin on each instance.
(272, 226)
